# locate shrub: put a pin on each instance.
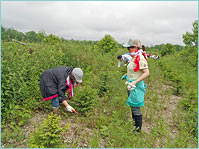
(52, 39)
(85, 99)
(103, 88)
(108, 44)
(48, 135)
(167, 49)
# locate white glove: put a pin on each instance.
(69, 108)
(131, 86)
(127, 83)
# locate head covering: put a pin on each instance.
(78, 74)
(132, 43)
(119, 57)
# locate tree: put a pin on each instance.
(191, 39)
(3, 29)
(10, 33)
(51, 39)
(3, 33)
(167, 49)
(49, 134)
(40, 36)
(107, 44)
(31, 36)
(190, 52)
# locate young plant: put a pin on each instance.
(49, 134)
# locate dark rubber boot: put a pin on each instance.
(133, 117)
(138, 123)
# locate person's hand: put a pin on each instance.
(69, 108)
(127, 83)
(131, 86)
(133, 83)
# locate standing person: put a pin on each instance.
(126, 58)
(143, 48)
(137, 71)
(56, 81)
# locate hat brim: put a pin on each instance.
(126, 45)
(79, 81)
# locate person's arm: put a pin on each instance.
(142, 77)
(125, 59)
(119, 63)
(65, 103)
(61, 93)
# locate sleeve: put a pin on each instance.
(126, 60)
(61, 89)
(129, 58)
(143, 63)
(119, 63)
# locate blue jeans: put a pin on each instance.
(55, 102)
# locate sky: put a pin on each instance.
(151, 22)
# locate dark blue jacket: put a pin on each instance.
(53, 83)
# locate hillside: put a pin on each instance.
(170, 113)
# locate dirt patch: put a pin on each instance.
(146, 127)
(77, 134)
(168, 113)
(167, 104)
(170, 104)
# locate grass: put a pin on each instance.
(108, 116)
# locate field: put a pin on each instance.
(170, 113)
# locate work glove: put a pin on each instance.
(130, 86)
(123, 77)
(127, 83)
(69, 108)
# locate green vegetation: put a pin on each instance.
(170, 114)
(108, 44)
(49, 134)
(181, 68)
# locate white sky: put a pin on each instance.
(151, 22)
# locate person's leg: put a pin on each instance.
(133, 116)
(136, 112)
(55, 105)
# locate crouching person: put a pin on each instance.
(55, 82)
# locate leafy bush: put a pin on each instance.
(49, 134)
(52, 39)
(103, 85)
(191, 39)
(190, 55)
(85, 99)
(108, 44)
(167, 49)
